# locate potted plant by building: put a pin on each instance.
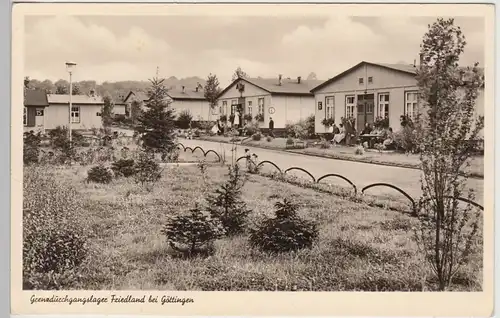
(381, 123)
(248, 117)
(259, 117)
(328, 122)
(223, 118)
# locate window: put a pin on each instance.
(98, 114)
(224, 107)
(234, 105)
(369, 108)
(370, 80)
(411, 102)
(215, 110)
(261, 106)
(329, 107)
(75, 114)
(349, 106)
(383, 105)
(249, 107)
(25, 116)
(39, 112)
(360, 80)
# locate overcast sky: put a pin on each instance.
(130, 47)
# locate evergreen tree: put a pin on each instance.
(156, 125)
(107, 111)
(212, 90)
(76, 89)
(135, 111)
(226, 205)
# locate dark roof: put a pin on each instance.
(403, 68)
(34, 98)
(186, 94)
(75, 99)
(141, 96)
(287, 87)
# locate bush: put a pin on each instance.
(193, 234)
(124, 167)
(54, 241)
(248, 117)
(289, 141)
(359, 150)
(31, 147)
(252, 128)
(147, 170)
(184, 119)
(324, 144)
(99, 174)
(256, 136)
(285, 232)
(406, 139)
(269, 138)
(226, 204)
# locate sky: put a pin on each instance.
(117, 48)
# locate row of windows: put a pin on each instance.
(234, 104)
(411, 101)
(362, 80)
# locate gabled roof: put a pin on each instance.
(139, 96)
(75, 99)
(409, 69)
(186, 94)
(33, 97)
(403, 68)
(287, 87)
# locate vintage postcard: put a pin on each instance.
(253, 159)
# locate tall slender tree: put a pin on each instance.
(447, 130)
(156, 125)
(212, 90)
(107, 111)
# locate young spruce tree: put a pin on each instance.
(448, 130)
(226, 204)
(156, 124)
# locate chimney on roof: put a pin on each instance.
(92, 93)
(414, 63)
(183, 89)
(197, 88)
(279, 79)
(298, 79)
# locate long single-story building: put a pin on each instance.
(285, 100)
(191, 100)
(370, 90)
(85, 111)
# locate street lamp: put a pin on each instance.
(70, 66)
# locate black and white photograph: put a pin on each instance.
(328, 152)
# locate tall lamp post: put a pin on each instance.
(70, 66)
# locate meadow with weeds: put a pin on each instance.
(360, 246)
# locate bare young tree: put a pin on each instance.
(447, 132)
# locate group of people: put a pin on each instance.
(383, 133)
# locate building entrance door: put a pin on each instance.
(365, 107)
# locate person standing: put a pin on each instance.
(271, 127)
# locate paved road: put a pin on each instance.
(361, 174)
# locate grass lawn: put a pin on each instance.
(360, 247)
(476, 168)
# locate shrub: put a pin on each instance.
(324, 144)
(248, 117)
(269, 138)
(223, 118)
(252, 128)
(285, 232)
(184, 119)
(99, 174)
(259, 117)
(327, 122)
(31, 147)
(193, 234)
(406, 139)
(225, 203)
(289, 141)
(359, 150)
(54, 241)
(124, 167)
(256, 136)
(147, 170)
